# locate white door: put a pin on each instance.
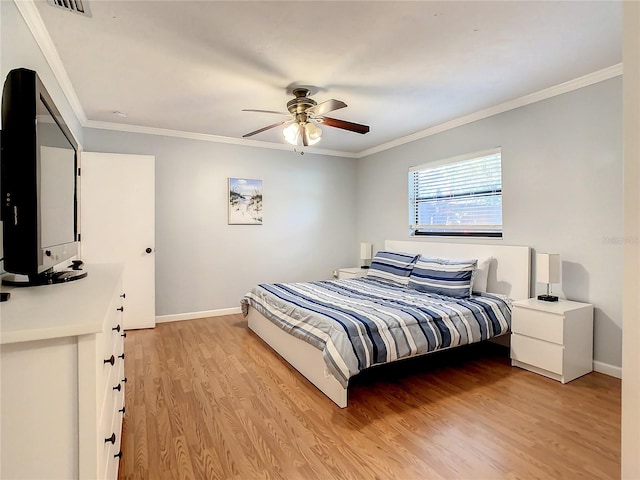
(117, 225)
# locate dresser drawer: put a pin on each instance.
(538, 353)
(111, 423)
(537, 324)
(107, 458)
(110, 396)
(109, 374)
(113, 321)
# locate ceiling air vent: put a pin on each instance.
(75, 6)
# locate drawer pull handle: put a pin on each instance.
(120, 309)
(110, 360)
(124, 335)
(124, 379)
(118, 387)
(121, 356)
(118, 455)
(123, 295)
(111, 439)
(122, 410)
(116, 329)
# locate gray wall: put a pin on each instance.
(562, 192)
(202, 263)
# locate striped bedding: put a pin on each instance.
(361, 322)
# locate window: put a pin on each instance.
(457, 197)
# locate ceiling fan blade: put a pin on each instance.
(325, 107)
(352, 127)
(265, 111)
(264, 128)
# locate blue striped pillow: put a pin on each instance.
(444, 277)
(392, 266)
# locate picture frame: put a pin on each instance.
(244, 201)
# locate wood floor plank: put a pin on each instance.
(208, 399)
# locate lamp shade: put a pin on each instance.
(292, 133)
(295, 131)
(313, 133)
(365, 251)
(548, 268)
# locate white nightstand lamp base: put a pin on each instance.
(548, 298)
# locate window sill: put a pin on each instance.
(458, 234)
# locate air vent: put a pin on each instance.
(75, 6)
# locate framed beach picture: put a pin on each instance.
(245, 201)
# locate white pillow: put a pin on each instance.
(481, 277)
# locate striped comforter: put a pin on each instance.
(361, 322)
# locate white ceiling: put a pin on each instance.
(402, 67)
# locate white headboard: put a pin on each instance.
(510, 273)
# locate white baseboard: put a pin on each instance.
(607, 369)
(194, 315)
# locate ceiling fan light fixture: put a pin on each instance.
(306, 112)
(313, 133)
(292, 133)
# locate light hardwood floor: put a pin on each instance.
(207, 399)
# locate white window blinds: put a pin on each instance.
(458, 196)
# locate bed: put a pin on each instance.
(331, 330)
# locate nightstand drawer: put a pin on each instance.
(354, 272)
(538, 353)
(537, 324)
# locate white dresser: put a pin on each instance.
(554, 339)
(62, 366)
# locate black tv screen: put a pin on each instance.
(38, 180)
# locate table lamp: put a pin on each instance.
(548, 271)
(365, 254)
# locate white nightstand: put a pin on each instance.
(554, 339)
(353, 272)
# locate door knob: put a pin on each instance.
(148, 250)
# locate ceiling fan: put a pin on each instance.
(306, 112)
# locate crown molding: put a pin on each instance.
(32, 18)
(571, 85)
(205, 137)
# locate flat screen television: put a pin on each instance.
(38, 185)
